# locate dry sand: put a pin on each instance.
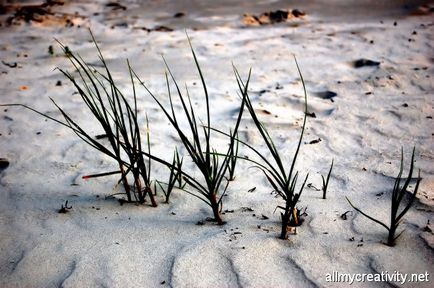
(98, 243)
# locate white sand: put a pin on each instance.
(102, 244)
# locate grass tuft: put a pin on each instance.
(118, 119)
(398, 193)
(283, 182)
(197, 142)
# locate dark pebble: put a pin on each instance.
(3, 163)
(116, 6)
(162, 29)
(179, 15)
(365, 62)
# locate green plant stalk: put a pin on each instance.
(233, 158)
(283, 183)
(117, 118)
(128, 137)
(178, 174)
(397, 196)
(325, 183)
(174, 176)
(93, 99)
(205, 159)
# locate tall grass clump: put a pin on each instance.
(396, 212)
(212, 165)
(283, 181)
(118, 119)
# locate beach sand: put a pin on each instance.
(363, 116)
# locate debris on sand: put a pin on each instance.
(272, 17)
(65, 208)
(365, 62)
(116, 6)
(45, 13)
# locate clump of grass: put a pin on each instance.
(198, 145)
(325, 182)
(398, 192)
(118, 119)
(283, 182)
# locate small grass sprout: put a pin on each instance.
(398, 192)
(325, 182)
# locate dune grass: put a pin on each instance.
(196, 140)
(118, 119)
(283, 181)
(398, 193)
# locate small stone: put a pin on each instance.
(179, 15)
(3, 163)
(365, 62)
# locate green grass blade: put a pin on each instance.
(367, 216)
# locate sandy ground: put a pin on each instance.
(374, 111)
